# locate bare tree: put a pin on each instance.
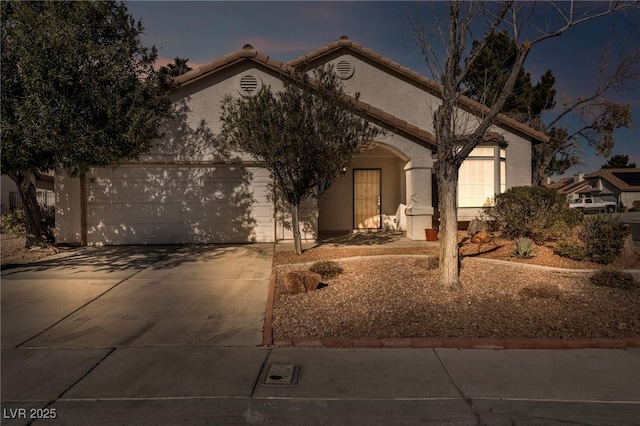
(597, 118)
(456, 133)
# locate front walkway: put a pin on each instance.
(373, 239)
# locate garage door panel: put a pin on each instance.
(170, 204)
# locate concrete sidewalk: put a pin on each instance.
(224, 385)
(170, 335)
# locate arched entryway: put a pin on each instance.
(382, 189)
(374, 185)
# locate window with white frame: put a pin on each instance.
(482, 176)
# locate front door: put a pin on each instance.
(366, 198)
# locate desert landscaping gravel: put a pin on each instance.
(388, 292)
(391, 296)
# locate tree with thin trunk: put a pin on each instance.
(457, 133)
(305, 135)
(79, 90)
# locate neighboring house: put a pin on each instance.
(44, 192)
(186, 191)
(621, 185)
(571, 187)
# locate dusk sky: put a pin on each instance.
(205, 30)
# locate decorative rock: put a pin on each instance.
(481, 237)
(477, 225)
(311, 280)
(294, 283)
(301, 281)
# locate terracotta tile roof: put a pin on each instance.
(574, 187)
(615, 177)
(434, 88)
(559, 183)
(373, 114)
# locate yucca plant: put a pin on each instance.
(524, 248)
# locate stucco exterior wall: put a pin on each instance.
(336, 204)
(627, 198)
(395, 96)
(7, 185)
(202, 100)
(518, 160)
(68, 210)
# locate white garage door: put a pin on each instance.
(178, 204)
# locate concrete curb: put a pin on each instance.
(267, 331)
(543, 268)
(440, 342)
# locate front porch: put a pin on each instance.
(387, 188)
(388, 240)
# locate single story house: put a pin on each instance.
(572, 187)
(189, 190)
(623, 185)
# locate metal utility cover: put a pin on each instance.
(280, 375)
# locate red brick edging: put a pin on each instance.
(458, 343)
(433, 342)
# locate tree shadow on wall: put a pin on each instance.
(308, 211)
(189, 189)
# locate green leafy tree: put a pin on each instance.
(619, 162)
(594, 118)
(79, 90)
(490, 71)
(304, 135)
(169, 71)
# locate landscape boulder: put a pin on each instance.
(477, 225)
(481, 237)
(301, 281)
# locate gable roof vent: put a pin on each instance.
(248, 85)
(344, 69)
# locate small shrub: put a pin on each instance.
(327, 269)
(571, 249)
(48, 222)
(533, 212)
(541, 291)
(599, 239)
(524, 248)
(613, 279)
(13, 222)
(603, 237)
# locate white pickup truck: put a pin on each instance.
(593, 204)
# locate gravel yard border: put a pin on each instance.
(437, 342)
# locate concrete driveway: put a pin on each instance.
(139, 296)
